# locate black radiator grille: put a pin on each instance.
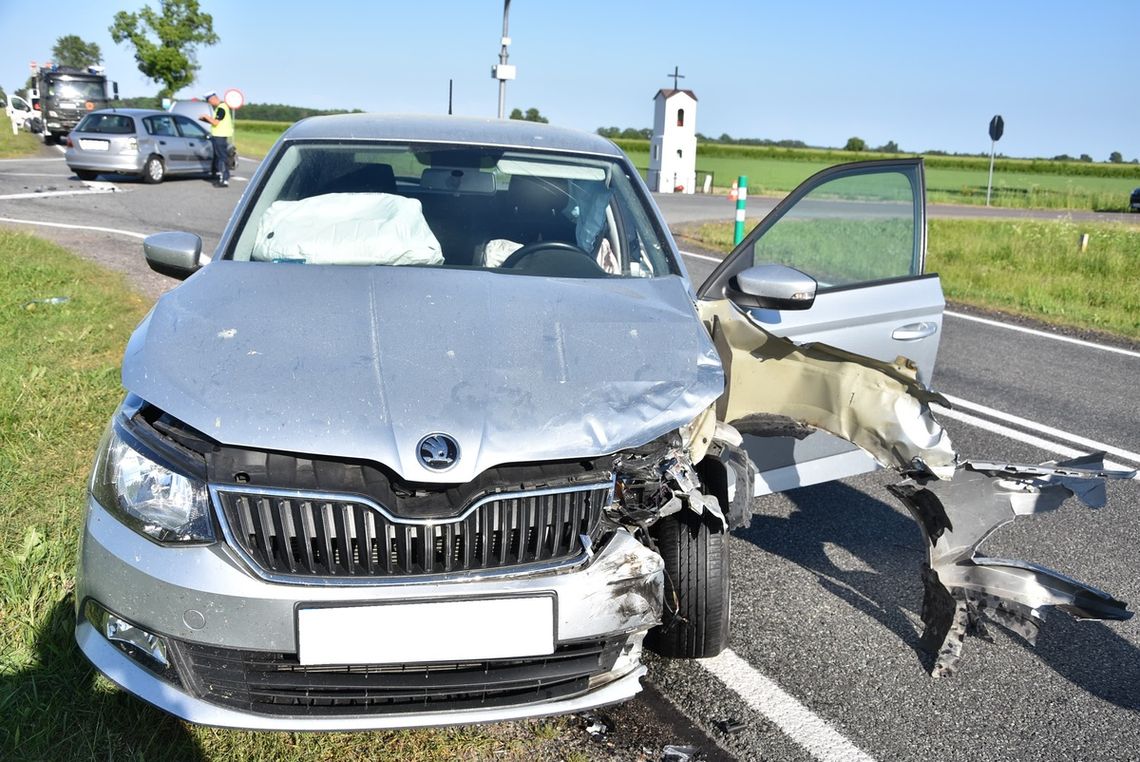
(275, 684)
(338, 536)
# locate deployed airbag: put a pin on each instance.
(347, 229)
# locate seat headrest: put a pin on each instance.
(537, 194)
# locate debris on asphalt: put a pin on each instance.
(730, 726)
(597, 725)
(680, 753)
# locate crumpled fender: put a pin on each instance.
(962, 585)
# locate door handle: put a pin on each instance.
(914, 331)
(162, 142)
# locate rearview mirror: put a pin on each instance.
(773, 287)
(173, 254)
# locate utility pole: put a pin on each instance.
(503, 71)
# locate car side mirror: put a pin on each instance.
(773, 287)
(173, 254)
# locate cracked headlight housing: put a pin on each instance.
(159, 503)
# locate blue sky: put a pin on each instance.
(926, 75)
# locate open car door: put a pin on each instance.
(859, 230)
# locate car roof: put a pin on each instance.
(450, 129)
(130, 111)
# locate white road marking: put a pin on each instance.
(251, 161)
(1039, 427)
(1030, 439)
(28, 174)
(798, 722)
(705, 257)
(129, 233)
(26, 161)
(1043, 334)
(50, 194)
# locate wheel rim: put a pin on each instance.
(155, 169)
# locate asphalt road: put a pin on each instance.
(826, 589)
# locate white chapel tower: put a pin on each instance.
(673, 148)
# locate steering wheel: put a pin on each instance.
(530, 249)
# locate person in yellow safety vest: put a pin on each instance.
(221, 130)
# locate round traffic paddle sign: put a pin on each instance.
(997, 127)
(234, 99)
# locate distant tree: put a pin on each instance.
(1135, 161)
(855, 144)
(3, 97)
(1085, 157)
(72, 50)
(645, 133)
(609, 132)
(1063, 157)
(889, 147)
(531, 115)
(1116, 158)
(165, 42)
(630, 133)
(724, 138)
(702, 137)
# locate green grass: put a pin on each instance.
(20, 144)
(59, 382)
(1030, 268)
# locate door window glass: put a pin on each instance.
(852, 229)
(190, 129)
(160, 125)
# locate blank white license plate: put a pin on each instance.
(403, 633)
(94, 145)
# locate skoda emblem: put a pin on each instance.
(438, 452)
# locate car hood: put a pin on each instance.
(364, 362)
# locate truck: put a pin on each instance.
(63, 95)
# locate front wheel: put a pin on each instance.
(153, 171)
(695, 619)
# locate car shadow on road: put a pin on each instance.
(58, 710)
(881, 555)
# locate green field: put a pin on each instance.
(59, 383)
(1014, 186)
(1029, 268)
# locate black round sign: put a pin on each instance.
(997, 127)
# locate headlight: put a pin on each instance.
(150, 498)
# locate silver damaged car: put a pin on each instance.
(442, 433)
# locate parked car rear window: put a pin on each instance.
(107, 124)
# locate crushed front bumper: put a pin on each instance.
(203, 599)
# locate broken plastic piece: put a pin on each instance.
(671, 753)
(961, 585)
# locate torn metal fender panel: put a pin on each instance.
(961, 585)
(879, 406)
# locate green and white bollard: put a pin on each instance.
(741, 200)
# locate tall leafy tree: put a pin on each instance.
(73, 50)
(166, 41)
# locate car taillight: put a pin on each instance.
(69, 143)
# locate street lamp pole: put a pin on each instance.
(503, 71)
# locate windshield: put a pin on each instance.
(506, 210)
(76, 89)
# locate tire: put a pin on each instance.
(50, 138)
(153, 171)
(86, 174)
(696, 570)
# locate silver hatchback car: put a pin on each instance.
(147, 143)
(444, 434)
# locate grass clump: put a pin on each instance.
(20, 144)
